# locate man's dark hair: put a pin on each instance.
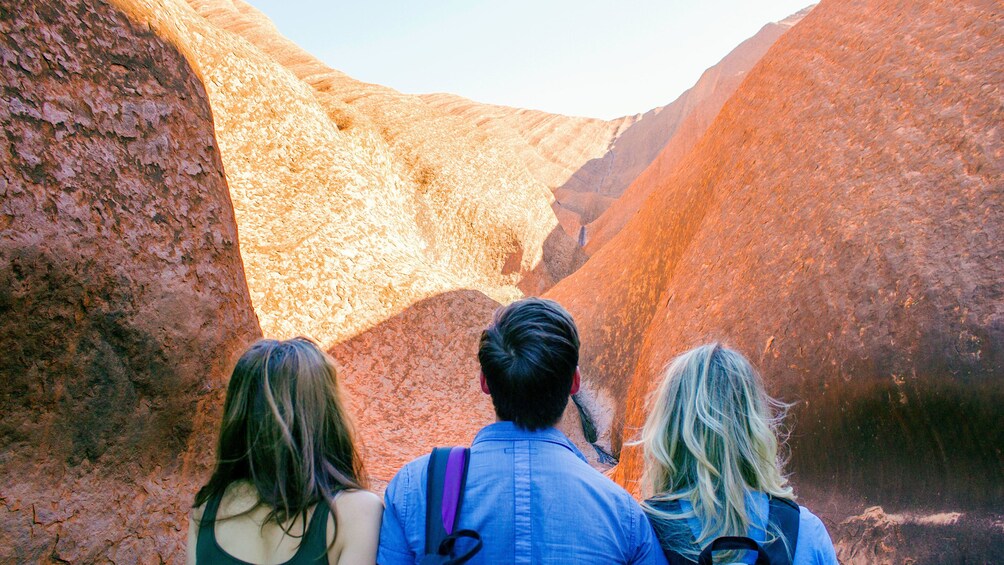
(528, 355)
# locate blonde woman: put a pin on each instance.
(288, 483)
(712, 464)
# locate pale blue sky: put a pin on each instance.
(578, 57)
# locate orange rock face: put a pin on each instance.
(835, 212)
(365, 216)
(562, 152)
(685, 121)
(840, 222)
(122, 293)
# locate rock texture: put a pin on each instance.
(589, 163)
(685, 121)
(362, 213)
(462, 202)
(840, 222)
(122, 293)
(406, 402)
(563, 152)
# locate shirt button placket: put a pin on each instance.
(523, 529)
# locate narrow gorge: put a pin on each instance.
(178, 179)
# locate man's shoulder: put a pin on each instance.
(408, 476)
(581, 479)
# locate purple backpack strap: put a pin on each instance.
(447, 475)
(453, 486)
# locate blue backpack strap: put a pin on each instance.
(783, 515)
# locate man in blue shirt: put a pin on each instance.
(530, 493)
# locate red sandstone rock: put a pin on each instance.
(686, 120)
(363, 212)
(122, 294)
(840, 222)
(389, 227)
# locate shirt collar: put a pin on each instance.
(508, 431)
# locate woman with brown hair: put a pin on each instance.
(288, 486)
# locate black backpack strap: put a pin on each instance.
(447, 476)
(784, 516)
(732, 543)
(673, 534)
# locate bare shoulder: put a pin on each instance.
(359, 502)
(359, 513)
(196, 514)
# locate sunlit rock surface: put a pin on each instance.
(687, 119)
(122, 295)
(840, 222)
(366, 215)
(460, 201)
(562, 152)
(838, 219)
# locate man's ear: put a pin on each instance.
(575, 382)
(484, 384)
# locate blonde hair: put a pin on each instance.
(711, 437)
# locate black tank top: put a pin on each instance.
(313, 546)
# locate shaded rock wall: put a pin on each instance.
(840, 223)
(122, 293)
(406, 402)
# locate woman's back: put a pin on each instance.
(806, 543)
(287, 471)
(234, 529)
(713, 464)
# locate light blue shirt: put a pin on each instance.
(813, 547)
(534, 500)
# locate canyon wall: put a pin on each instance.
(840, 223)
(478, 216)
(556, 150)
(123, 301)
(590, 163)
(176, 171)
(692, 114)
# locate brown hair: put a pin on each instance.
(285, 430)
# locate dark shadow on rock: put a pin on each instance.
(412, 380)
(79, 379)
(916, 428)
(562, 257)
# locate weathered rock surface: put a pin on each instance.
(406, 402)
(685, 120)
(562, 152)
(476, 213)
(122, 294)
(840, 222)
(362, 211)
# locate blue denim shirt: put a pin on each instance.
(534, 500)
